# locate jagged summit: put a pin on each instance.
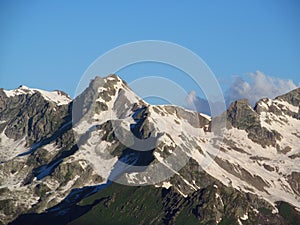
(23, 87)
(58, 97)
(292, 97)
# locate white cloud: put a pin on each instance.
(259, 86)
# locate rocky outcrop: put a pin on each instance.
(31, 116)
(292, 97)
(241, 115)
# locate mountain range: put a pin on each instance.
(109, 157)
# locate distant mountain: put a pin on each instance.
(58, 156)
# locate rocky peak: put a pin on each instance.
(31, 115)
(108, 96)
(292, 97)
(241, 115)
(282, 106)
(111, 81)
(23, 87)
(56, 97)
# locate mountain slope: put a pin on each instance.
(56, 153)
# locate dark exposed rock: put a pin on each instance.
(268, 167)
(41, 190)
(278, 108)
(292, 97)
(255, 180)
(294, 180)
(86, 101)
(193, 118)
(242, 116)
(31, 116)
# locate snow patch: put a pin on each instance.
(244, 217)
(219, 197)
(206, 116)
(181, 193)
(278, 189)
(239, 221)
(166, 185)
(286, 105)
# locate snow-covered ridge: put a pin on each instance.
(57, 97)
(279, 104)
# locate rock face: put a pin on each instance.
(30, 115)
(242, 116)
(58, 157)
(293, 97)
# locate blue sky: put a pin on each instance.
(49, 44)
